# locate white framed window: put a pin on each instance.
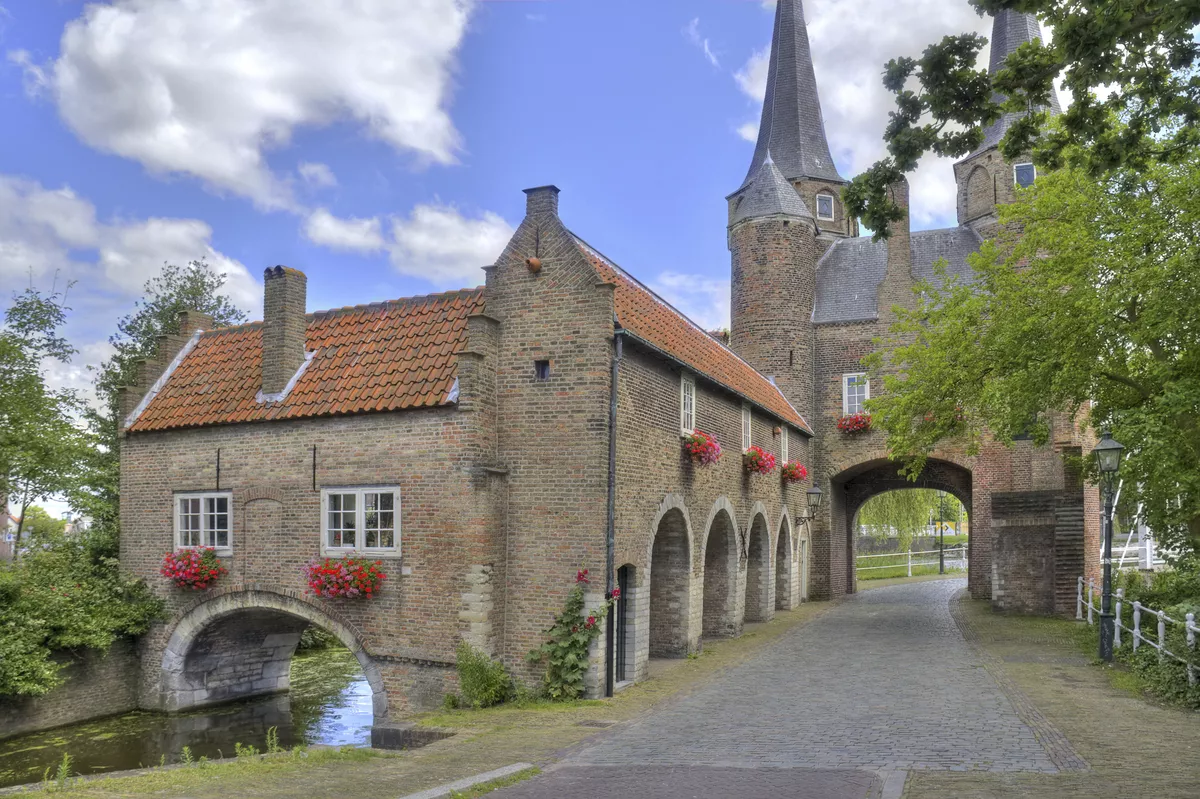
(747, 423)
(1024, 175)
(825, 207)
(783, 444)
(687, 404)
(204, 519)
(856, 389)
(360, 520)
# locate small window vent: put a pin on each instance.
(541, 370)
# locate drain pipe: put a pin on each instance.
(610, 537)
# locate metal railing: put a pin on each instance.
(955, 558)
(1160, 639)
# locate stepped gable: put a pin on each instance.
(651, 319)
(380, 357)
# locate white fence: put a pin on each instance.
(955, 558)
(1160, 639)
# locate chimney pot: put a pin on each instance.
(284, 326)
(541, 200)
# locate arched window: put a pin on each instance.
(825, 207)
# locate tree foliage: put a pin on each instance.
(1088, 303)
(1130, 66)
(193, 287)
(907, 513)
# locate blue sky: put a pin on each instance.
(382, 146)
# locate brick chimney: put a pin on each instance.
(541, 200)
(284, 326)
(897, 285)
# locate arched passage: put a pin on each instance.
(759, 605)
(786, 586)
(853, 487)
(240, 644)
(721, 619)
(670, 587)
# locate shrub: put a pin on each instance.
(484, 682)
(566, 649)
(344, 577)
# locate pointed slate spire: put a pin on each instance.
(792, 128)
(1010, 30)
(769, 194)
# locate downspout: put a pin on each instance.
(610, 537)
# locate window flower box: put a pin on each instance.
(758, 461)
(196, 569)
(702, 448)
(344, 577)
(793, 472)
(855, 423)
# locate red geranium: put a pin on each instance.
(702, 448)
(344, 577)
(855, 423)
(192, 568)
(793, 472)
(759, 461)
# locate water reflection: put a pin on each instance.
(330, 703)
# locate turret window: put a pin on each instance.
(1024, 175)
(825, 207)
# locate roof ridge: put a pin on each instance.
(687, 319)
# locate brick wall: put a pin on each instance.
(98, 683)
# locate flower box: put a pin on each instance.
(855, 423)
(196, 569)
(758, 461)
(793, 472)
(702, 448)
(344, 577)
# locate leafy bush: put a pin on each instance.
(61, 596)
(484, 682)
(315, 637)
(566, 649)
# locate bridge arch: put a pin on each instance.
(240, 644)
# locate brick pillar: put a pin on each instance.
(284, 326)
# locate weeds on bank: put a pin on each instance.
(492, 785)
(62, 779)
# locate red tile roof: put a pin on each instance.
(380, 357)
(652, 319)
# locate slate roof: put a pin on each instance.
(651, 319)
(792, 127)
(769, 194)
(1010, 30)
(849, 274)
(379, 357)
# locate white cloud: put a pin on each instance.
(692, 32)
(358, 235)
(702, 299)
(317, 175)
(752, 77)
(207, 87)
(438, 243)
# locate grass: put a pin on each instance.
(492, 785)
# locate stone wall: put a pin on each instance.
(97, 684)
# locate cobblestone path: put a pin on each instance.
(883, 682)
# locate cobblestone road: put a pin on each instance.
(883, 682)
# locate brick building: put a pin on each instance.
(484, 444)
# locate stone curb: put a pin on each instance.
(468, 782)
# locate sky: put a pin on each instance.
(381, 146)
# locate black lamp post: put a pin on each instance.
(1108, 461)
(942, 533)
(814, 500)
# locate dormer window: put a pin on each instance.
(825, 207)
(1024, 175)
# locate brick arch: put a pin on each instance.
(720, 616)
(239, 643)
(757, 509)
(786, 584)
(980, 192)
(670, 502)
(722, 504)
(666, 588)
(760, 585)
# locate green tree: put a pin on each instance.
(41, 526)
(1093, 307)
(193, 287)
(1131, 68)
(41, 446)
(906, 512)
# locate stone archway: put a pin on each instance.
(851, 488)
(760, 604)
(721, 558)
(240, 644)
(669, 608)
(786, 574)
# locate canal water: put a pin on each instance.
(330, 703)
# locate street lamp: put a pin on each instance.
(814, 500)
(1108, 461)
